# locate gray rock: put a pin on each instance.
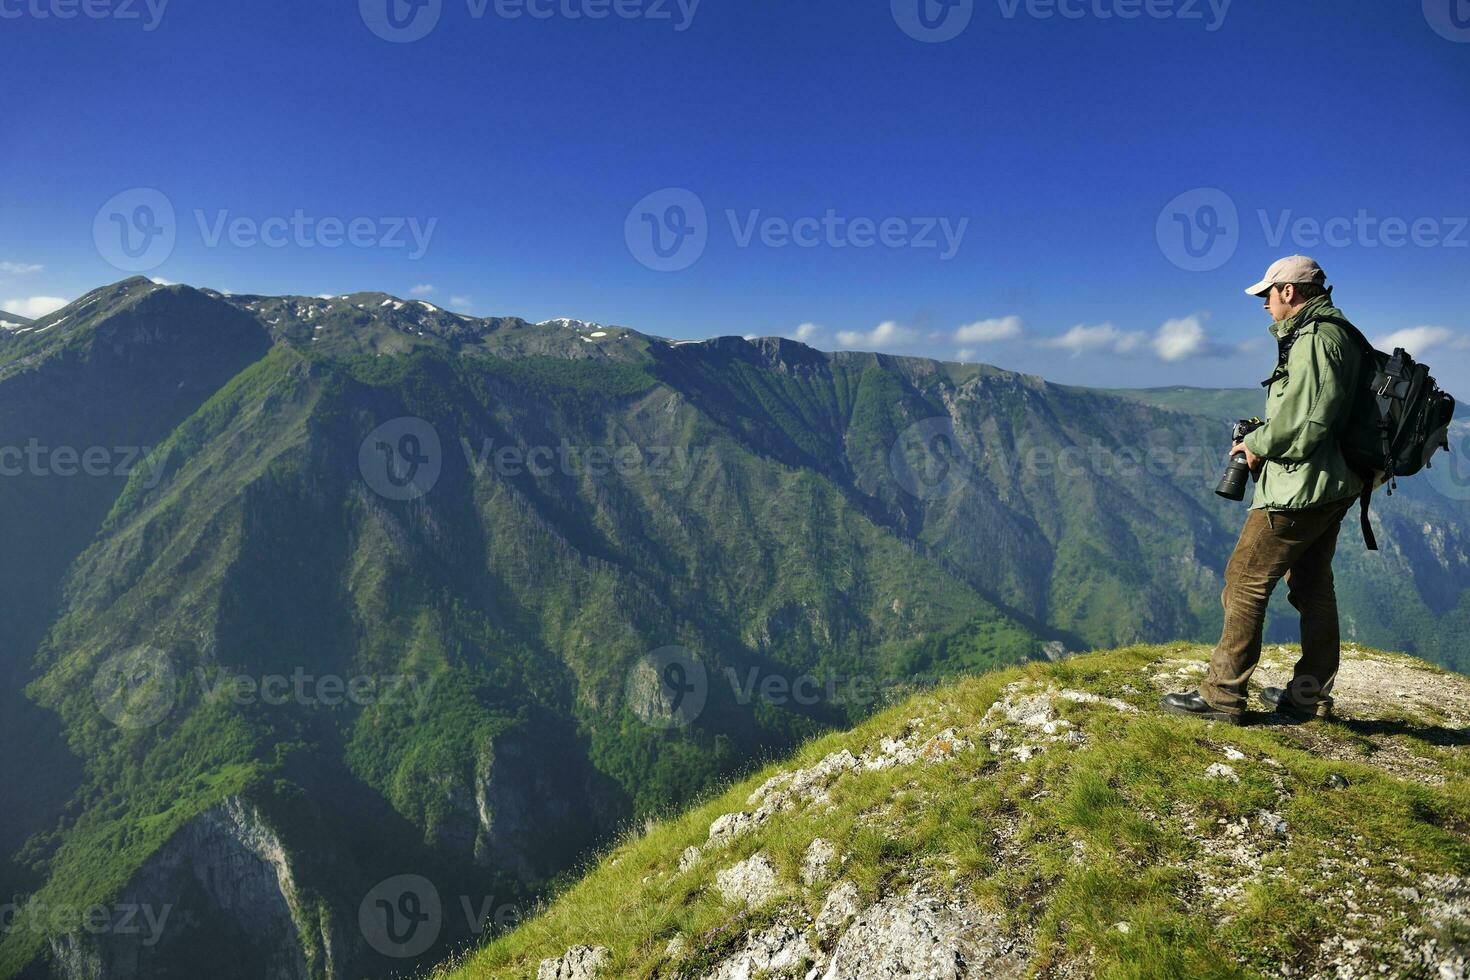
(816, 865)
(578, 963)
(777, 952)
(752, 882)
(919, 935)
(842, 906)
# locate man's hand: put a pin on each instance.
(1251, 459)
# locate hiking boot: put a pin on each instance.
(1195, 706)
(1278, 701)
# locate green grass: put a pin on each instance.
(1064, 847)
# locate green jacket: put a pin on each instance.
(1307, 406)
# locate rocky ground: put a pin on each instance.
(1111, 840)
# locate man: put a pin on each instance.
(1304, 488)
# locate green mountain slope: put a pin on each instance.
(1050, 821)
(394, 588)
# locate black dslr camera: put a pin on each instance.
(1232, 484)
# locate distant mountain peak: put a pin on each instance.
(12, 321)
(570, 323)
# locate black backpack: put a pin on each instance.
(1400, 419)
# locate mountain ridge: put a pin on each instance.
(844, 527)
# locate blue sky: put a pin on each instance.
(1016, 193)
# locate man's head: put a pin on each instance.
(1290, 284)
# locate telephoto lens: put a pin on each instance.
(1232, 484)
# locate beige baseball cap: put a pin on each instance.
(1293, 268)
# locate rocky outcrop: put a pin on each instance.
(579, 963)
(921, 935)
(222, 884)
(800, 901)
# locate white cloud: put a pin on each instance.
(165, 282)
(1420, 340)
(807, 332)
(887, 334)
(964, 355)
(20, 268)
(1103, 336)
(990, 331)
(423, 289)
(34, 307)
(1181, 338)
(461, 302)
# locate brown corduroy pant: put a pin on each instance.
(1299, 546)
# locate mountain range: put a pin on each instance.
(302, 592)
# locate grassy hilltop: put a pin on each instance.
(1048, 821)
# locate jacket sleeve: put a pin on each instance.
(1317, 393)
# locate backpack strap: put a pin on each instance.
(1365, 499)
